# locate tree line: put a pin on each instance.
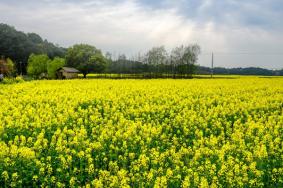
(39, 58)
(18, 46)
(88, 59)
(239, 71)
(158, 62)
(29, 54)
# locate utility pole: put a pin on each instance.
(212, 59)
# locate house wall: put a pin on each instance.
(70, 75)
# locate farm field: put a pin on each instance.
(142, 133)
(147, 76)
(169, 76)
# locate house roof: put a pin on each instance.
(69, 69)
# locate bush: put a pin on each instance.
(18, 79)
(53, 65)
(37, 65)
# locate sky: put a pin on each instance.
(241, 33)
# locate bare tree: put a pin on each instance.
(184, 59)
(156, 57)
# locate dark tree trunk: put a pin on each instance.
(84, 75)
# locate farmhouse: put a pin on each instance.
(67, 73)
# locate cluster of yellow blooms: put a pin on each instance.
(142, 133)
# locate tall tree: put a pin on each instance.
(184, 59)
(10, 67)
(108, 56)
(99, 63)
(54, 65)
(37, 65)
(85, 58)
(190, 57)
(156, 57)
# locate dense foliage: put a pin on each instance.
(54, 65)
(19, 46)
(37, 65)
(40, 66)
(111, 133)
(86, 58)
(7, 67)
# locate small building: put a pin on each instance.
(67, 73)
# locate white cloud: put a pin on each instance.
(128, 27)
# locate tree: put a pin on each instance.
(19, 46)
(190, 57)
(10, 67)
(35, 38)
(109, 63)
(37, 65)
(108, 56)
(156, 57)
(177, 56)
(85, 58)
(99, 62)
(6, 66)
(184, 59)
(54, 65)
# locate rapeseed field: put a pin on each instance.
(142, 133)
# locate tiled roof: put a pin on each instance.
(70, 69)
